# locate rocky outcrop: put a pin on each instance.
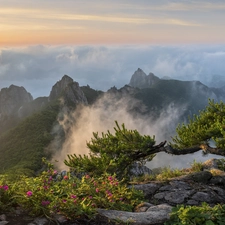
(12, 98)
(69, 91)
(140, 80)
(161, 196)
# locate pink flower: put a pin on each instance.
(64, 200)
(90, 197)
(73, 196)
(44, 203)
(6, 187)
(97, 190)
(110, 178)
(87, 176)
(29, 193)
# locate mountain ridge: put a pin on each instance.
(40, 115)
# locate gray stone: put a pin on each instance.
(201, 177)
(175, 185)
(3, 222)
(3, 217)
(155, 215)
(139, 170)
(217, 180)
(41, 221)
(192, 202)
(201, 197)
(148, 189)
(174, 197)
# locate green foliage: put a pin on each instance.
(70, 196)
(113, 153)
(22, 148)
(197, 215)
(221, 164)
(208, 125)
(196, 166)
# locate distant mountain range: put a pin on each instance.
(26, 123)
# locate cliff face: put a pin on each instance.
(140, 80)
(69, 90)
(12, 98)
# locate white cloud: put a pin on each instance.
(38, 68)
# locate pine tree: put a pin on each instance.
(208, 126)
(115, 153)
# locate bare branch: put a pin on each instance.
(204, 147)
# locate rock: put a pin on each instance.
(210, 164)
(202, 176)
(148, 189)
(218, 180)
(41, 221)
(154, 215)
(3, 217)
(140, 80)
(69, 90)
(173, 197)
(3, 222)
(139, 170)
(11, 99)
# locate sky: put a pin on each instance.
(31, 22)
(102, 43)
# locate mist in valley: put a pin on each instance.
(80, 124)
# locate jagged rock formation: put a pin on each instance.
(140, 80)
(12, 98)
(69, 90)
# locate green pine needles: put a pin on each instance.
(114, 153)
(208, 125)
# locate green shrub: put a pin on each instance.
(197, 215)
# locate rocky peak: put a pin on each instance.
(140, 80)
(12, 98)
(69, 90)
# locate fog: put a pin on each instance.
(80, 124)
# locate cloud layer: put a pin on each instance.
(38, 68)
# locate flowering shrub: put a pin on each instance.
(71, 196)
(6, 193)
